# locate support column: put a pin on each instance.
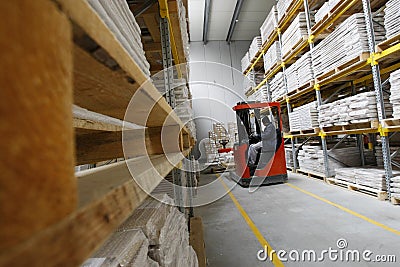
(379, 94)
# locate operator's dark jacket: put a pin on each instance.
(268, 137)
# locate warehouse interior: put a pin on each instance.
(200, 133)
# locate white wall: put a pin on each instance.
(216, 82)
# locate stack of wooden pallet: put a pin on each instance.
(347, 42)
(282, 6)
(272, 56)
(245, 62)
(295, 33)
(119, 18)
(395, 93)
(277, 86)
(300, 73)
(304, 117)
(270, 23)
(255, 46)
(355, 109)
(156, 234)
(392, 18)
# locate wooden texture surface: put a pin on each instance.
(37, 184)
(107, 196)
(96, 146)
(149, 99)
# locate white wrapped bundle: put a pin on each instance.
(395, 93)
(292, 81)
(272, 56)
(345, 43)
(322, 12)
(120, 20)
(283, 6)
(277, 86)
(270, 23)
(304, 117)
(255, 47)
(392, 18)
(295, 33)
(305, 71)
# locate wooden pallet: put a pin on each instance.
(295, 50)
(311, 174)
(303, 88)
(349, 66)
(379, 194)
(314, 131)
(273, 67)
(391, 124)
(388, 43)
(395, 200)
(367, 126)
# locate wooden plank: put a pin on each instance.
(83, 15)
(99, 89)
(153, 26)
(152, 47)
(95, 125)
(197, 240)
(37, 184)
(107, 197)
(99, 146)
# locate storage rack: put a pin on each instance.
(379, 62)
(62, 218)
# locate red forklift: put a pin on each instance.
(268, 167)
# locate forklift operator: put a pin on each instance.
(267, 144)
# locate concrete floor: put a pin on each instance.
(290, 219)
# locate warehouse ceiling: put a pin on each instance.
(251, 17)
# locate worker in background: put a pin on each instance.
(267, 144)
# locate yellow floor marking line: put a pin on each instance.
(253, 227)
(387, 228)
